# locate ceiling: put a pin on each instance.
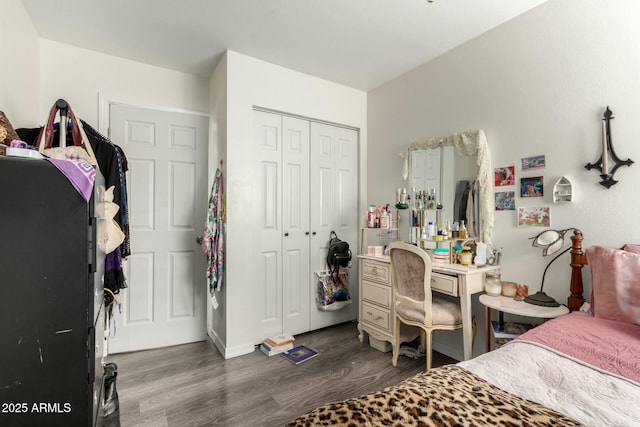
(358, 43)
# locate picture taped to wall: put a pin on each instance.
(505, 201)
(534, 217)
(532, 186)
(504, 176)
(535, 162)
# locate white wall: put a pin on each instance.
(19, 62)
(252, 82)
(79, 75)
(537, 85)
(217, 318)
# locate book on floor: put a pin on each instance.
(279, 340)
(509, 329)
(299, 354)
(270, 351)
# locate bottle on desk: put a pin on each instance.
(462, 231)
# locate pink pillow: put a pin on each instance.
(631, 248)
(615, 277)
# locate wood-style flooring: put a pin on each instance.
(193, 385)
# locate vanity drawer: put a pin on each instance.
(444, 284)
(376, 271)
(376, 316)
(378, 294)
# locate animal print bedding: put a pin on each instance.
(444, 396)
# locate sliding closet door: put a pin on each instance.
(334, 206)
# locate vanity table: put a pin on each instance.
(376, 314)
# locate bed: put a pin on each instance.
(578, 369)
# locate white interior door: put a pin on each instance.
(165, 302)
(425, 170)
(334, 207)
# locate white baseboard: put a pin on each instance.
(229, 352)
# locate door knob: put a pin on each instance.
(314, 233)
(306, 234)
(286, 234)
(199, 240)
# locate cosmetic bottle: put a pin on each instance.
(462, 232)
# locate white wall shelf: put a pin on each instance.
(563, 191)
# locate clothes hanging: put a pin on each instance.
(213, 236)
(460, 201)
(113, 165)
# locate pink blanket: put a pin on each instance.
(609, 345)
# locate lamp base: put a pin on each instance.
(542, 299)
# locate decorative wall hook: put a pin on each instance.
(602, 164)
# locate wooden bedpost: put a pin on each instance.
(578, 260)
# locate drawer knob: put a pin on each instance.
(370, 314)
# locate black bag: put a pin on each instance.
(110, 401)
(338, 255)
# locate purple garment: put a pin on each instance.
(80, 174)
(113, 261)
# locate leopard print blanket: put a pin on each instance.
(444, 396)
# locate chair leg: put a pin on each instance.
(427, 350)
(396, 344)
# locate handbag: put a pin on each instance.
(7, 133)
(81, 148)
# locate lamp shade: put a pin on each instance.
(551, 240)
(546, 238)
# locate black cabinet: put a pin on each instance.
(51, 289)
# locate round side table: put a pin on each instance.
(520, 308)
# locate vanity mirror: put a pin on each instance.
(441, 163)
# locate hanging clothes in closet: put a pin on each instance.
(213, 236)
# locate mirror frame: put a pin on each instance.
(467, 143)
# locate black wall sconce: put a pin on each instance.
(602, 164)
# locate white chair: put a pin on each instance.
(414, 303)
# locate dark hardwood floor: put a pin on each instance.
(192, 385)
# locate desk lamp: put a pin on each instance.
(552, 241)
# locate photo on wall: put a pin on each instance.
(534, 217)
(504, 176)
(532, 186)
(505, 201)
(535, 162)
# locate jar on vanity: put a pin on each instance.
(492, 283)
(509, 289)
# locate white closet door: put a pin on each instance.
(295, 225)
(334, 206)
(267, 245)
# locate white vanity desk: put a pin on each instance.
(376, 312)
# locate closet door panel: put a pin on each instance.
(295, 225)
(334, 178)
(267, 245)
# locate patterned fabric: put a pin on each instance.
(213, 236)
(80, 174)
(444, 396)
